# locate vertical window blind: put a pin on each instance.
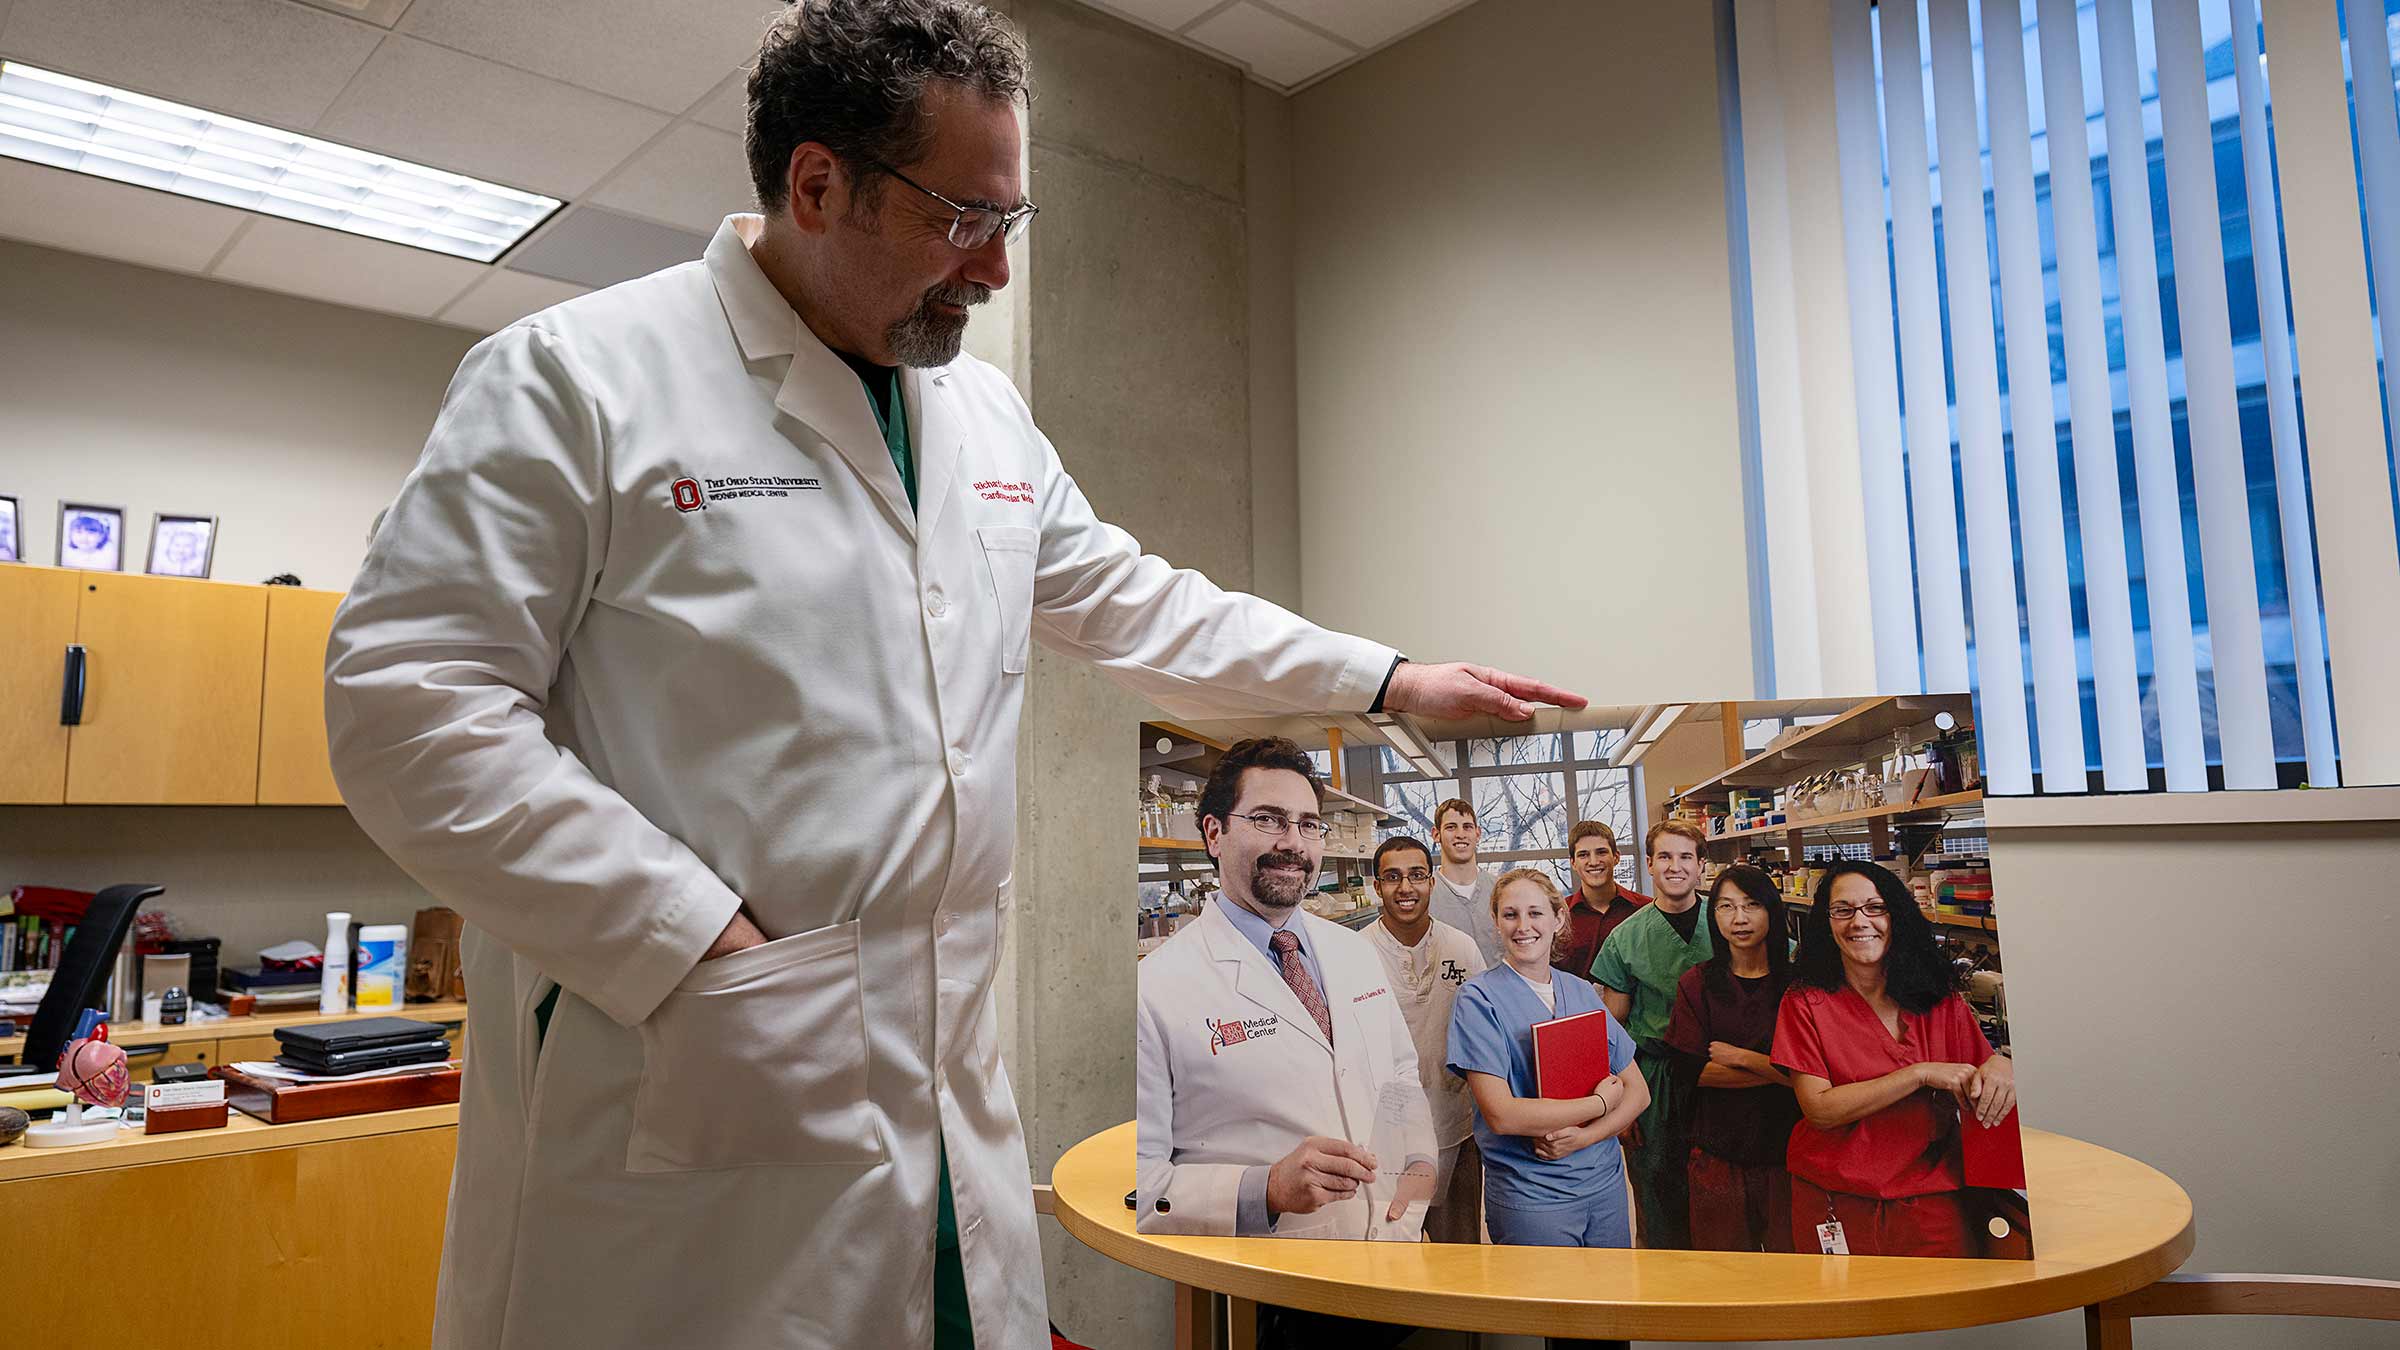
(2067, 374)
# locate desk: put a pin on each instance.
(262, 1236)
(2103, 1223)
(230, 1040)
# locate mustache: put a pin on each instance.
(1282, 859)
(966, 294)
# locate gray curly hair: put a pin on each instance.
(850, 74)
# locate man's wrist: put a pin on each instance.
(1384, 691)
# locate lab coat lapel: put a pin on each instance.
(823, 392)
(1256, 979)
(939, 437)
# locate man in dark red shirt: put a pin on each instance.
(1599, 904)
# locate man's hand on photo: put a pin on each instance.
(1455, 689)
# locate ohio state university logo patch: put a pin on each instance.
(687, 494)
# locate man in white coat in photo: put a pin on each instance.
(1276, 1086)
(687, 666)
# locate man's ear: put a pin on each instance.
(817, 191)
(1211, 831)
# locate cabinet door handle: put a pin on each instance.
(70, 697)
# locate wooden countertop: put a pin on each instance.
(241, 1134)
(2103, 1224)
(133, 1034)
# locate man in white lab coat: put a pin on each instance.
(1276, 1089)
(688, 665)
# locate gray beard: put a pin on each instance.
(1274, 893)
(927, 338)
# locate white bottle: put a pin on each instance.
(333, 990)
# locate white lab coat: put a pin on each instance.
(1209, 1103)
(652, 632)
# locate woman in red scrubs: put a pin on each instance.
(1883, 1056)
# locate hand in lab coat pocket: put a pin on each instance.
(759, 1059)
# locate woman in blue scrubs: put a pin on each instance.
(1553, 1174)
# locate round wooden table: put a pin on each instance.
(2103, 1225)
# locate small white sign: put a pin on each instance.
(201, 1092)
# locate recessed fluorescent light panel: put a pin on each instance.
(67, 123)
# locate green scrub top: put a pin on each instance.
(1644, 957)
(891, 417)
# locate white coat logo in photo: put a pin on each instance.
(1235, 1031)
(687, 494)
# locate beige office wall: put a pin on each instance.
(291, 421)
(1518, 439)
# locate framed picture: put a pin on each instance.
(181, 546)
(91, 537)
(11, 532)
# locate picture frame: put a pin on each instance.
(91, 537)
(181, 545)
(12, 530)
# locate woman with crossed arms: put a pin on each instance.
(1884, 1057)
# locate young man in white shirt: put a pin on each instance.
(1462, 890)
(1427, 961)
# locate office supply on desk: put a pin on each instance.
(433, 964)
(282, 1103)
(333, 989)
(346, 1062)
(382, 977)
(172, 1108)
(80, 981)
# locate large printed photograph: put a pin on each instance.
(1690, 976)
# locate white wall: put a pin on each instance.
(291, 421)
(1517, 429)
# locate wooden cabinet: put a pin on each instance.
(144, 1062)
(294, 767)
(171, 704)
(194, 693)
(39, 603)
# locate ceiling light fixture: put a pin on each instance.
(69, 123)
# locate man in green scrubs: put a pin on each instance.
(1637, 969)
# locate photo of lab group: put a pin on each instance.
(1703, 976)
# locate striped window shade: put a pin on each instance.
(2067, 376)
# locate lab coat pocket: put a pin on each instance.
(1009, 551)
(759, 1059)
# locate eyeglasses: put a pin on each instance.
(1275, 823)
(1873, 909)
(974, 226)
(1394, 877)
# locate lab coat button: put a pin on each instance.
(935, 605)
(958, 763)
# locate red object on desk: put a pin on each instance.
(1570, 1055)
(280, 1102)
(1995, 1156)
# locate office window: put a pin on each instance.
(2072, 322)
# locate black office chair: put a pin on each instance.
(81, 980)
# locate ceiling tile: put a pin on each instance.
(503, 297)
(473, 116)
(727, 107)
(76, 211)
(692, 176)
(264, 60)
(1167, 14)
(345, 269)
(381, 13)
(1273, 47)
(592, 247)
(663, 56)
(1369, 23)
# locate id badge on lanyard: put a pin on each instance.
(1830, 1238)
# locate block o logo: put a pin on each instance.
(687, 495)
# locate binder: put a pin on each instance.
(1570, 1054)
(1994, 1156)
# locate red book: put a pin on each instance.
(1570, 1055)
(1995, 1156)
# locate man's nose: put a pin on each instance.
(988, 265)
